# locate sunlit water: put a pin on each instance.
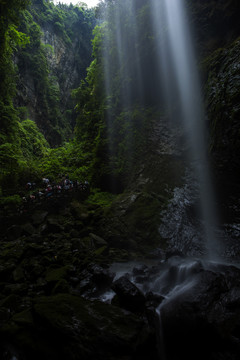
(179, 86)
(178, 52)
(182, 89)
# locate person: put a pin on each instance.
(86, 186)
(66, 184)
(32, 197)
(40, 193)
(59, 189)
(49, 191)
(28, 186)
(45, 181)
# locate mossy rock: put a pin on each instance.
(61, 287)
(79, 321)
(23, 318)
(79, 211)
(69, 327)
(222, 93)
(134, 220)
(11, 303)
(54, 275)
(18, 274)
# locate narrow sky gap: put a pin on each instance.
(90, 3)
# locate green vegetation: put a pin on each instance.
(113, 107)
(25, 154)
(116, 95)
(9, 137)
(70, 31)
(112, 122)
(102, 199)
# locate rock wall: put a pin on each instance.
(50, 67)
(63, 64)
(223, 98)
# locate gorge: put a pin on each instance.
(143, 262)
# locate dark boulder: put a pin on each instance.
(203, 321)
(68, 327)
(39, 216)
(94, 281)
(130, 297)
(14, 232)
(101, 276)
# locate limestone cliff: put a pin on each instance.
(52, 65)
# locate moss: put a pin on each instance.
(65, 326)
(62, 286)
(119, 255)
(222, 93)
(11, 203)
(100, 251)
(102, 199)
(136, 216)
(23, 318)
(55, 275)
(58, 312)
(11, 302)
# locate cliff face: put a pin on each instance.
(223, 98)
(68, 63)
(215, 23)
(51, 66)
(218, 32)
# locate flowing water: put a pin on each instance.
(178, 84)
(178, 52)
(181, 87)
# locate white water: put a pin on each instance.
(177, 57)
(179, 85)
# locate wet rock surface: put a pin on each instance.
(65, 326)
(194, 307)
(61, 297)
(206, 316)
(130, 297)
(53, 268)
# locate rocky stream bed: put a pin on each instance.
(69, 293)
(127, 282)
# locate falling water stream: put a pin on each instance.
(179, 52)
(179, 74)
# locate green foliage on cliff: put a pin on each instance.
(61, 23)
(33, 143)
(222, 92)
(24, 60)
(119, 88)
(10, 39)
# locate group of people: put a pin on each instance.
(53, 188)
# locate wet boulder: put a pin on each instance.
(28, 229)
(130, 297)
(205, 315)
(54, 224)
(102, 276)
(69, 327)
(39, 216)
(95, 280)
(97, 240)
(14, 232)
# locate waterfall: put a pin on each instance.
(177, 57)
(175, 80)
(178, 65)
